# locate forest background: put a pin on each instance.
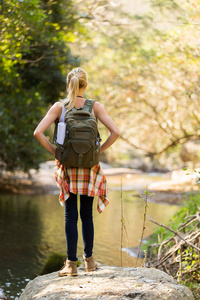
(142, 61)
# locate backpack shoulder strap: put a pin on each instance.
(88, 106)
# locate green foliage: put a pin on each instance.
(144, 67)
(18, 147)
(189, 207)
(34, 59)
(195, 174)
(193, 286)
(190, 271)
(54, 263)
(184, 265)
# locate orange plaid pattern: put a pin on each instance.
(82, 181)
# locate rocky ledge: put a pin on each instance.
(107, 283)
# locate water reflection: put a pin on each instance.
(32, 227)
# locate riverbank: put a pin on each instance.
(40, 228)
(168, 187)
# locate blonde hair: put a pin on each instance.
(76, 79)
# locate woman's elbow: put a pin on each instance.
(36, 133)
(117, 132)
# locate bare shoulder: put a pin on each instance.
(57, 105)
(101, 114)
(98, 108)
(98, 105)
(56, 109)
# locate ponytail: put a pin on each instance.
(76, 79)
(73, 92)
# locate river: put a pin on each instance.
(32, 227)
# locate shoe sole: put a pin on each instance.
(89, 270)
(67, 274)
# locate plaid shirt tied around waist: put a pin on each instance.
(82, 181)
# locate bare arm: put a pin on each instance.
(53, 113)
(106, 120)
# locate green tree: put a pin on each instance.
(34, 58)
(147, 68)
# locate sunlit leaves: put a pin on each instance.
(34, 59)
(155, 65)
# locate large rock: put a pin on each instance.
(107, 283)
(190, 151)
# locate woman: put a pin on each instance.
(76, 86)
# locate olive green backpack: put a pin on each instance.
(81, 146)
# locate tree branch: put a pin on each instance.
(28, 60)
(181, 140)
(172, 144)
(135, 146)
(176, 233)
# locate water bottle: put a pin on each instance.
(61, 132)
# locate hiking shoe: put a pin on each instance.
(69, 269)
(90, 264)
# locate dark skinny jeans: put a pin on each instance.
(71, 219)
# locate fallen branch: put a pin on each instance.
(176, 233)
(179, 255)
